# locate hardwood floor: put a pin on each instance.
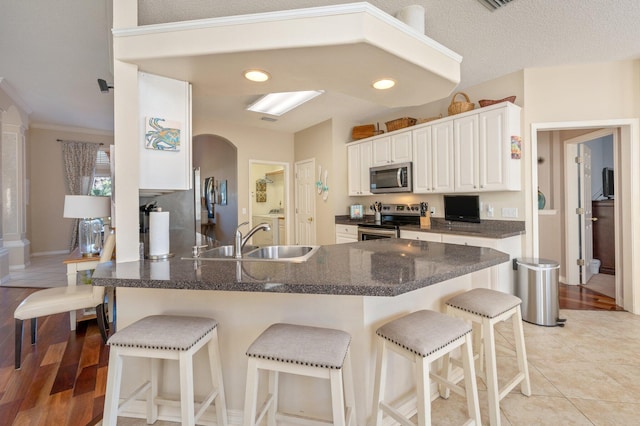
(63, 377)
(580, 298)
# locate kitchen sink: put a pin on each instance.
(282, 253)
(221, 253)
(293, 254)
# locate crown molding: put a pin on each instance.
(11, 92)
(61, 128)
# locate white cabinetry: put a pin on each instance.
(391, 149)
(482, 150)
(421, 236)
(433, 158)
(346, 234)
(359, 162)
(167, 102)
(470, 152)
(502, 276)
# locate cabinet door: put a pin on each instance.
(346, 234)
(381, 151)
(401, 150)
(422, 164)
(466, 153)
(359, 161)
(499, 170)
(442, 164)
(494, 150)
(421, 236)
(160, 98)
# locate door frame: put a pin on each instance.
(287, 192)
(297, 197)
(627, 160)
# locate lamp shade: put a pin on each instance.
(86, 206)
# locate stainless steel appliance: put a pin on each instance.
(391, 178)
(391, 217)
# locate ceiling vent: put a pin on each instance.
(494, 4)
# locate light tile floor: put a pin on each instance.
(586, 373)
(44, 271)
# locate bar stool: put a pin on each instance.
(163, 337)
(485, 308)
(306, 351)
(423, 337)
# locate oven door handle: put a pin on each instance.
(399, 177)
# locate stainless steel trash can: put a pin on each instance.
(537, 286)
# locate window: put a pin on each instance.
(102, 177)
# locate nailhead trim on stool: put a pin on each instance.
(486, 308)
(162, 337)
(302, 350)
(422, 337)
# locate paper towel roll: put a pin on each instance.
(158, 233)
(413, 16)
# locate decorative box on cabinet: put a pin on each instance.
(391, 149)
(169, 100)
(433, 158)
(359, 162)
(346, 234)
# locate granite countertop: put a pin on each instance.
(485, 229)
(386, 267)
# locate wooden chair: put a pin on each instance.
(59, 300)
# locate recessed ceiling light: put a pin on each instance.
(384, 83)
(256, 75)
(279, 103)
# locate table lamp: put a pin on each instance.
(89, 209)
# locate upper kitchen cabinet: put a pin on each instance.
(487, 150)
(165, 134)
(391, 149)
(433, 158)
(359, 162)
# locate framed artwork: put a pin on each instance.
(261, 191)
(161, 134)
(223, 192)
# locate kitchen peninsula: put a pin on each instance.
(355, 287)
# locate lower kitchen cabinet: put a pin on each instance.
(346, 234)
(500, 278)
(421, 236)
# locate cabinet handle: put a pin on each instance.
(309, 219)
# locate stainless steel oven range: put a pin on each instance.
(392, 216)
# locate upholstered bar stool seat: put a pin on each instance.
(163, 337)
(302, 350)
(423, 337)
(485, 308)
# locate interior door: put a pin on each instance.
(586, 225)
(305, 211)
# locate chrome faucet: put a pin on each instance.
(241, 241)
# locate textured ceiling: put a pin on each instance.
(52, 52)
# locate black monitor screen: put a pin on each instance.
(462, 208)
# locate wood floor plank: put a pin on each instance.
(40, 387)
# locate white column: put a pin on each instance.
(4, 253)
(14, 197)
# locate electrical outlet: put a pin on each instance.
(432, 210)
(489, 210)
(510, 212)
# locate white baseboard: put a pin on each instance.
(49, 253)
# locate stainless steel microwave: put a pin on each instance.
(391, 178)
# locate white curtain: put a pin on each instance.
(79, 160)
